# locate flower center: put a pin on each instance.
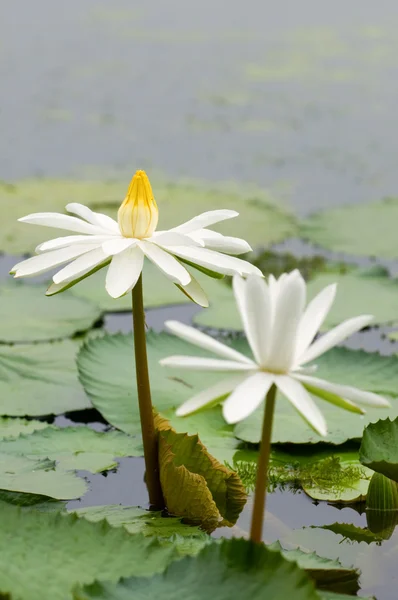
(138, 214)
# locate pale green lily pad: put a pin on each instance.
(364, 229)
(379, 448)
(232, 569)
(12, 428)
(44, 554)
(187, 539)
(27, 315)
(366, 370)
(75, 448)
(351, 532)
(359, 291)
(40, 379)
(33, 476)
(107, 373)
(262, 220)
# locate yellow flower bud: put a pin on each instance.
(138, 215)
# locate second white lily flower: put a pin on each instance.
(281, 332)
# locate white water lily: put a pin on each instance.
(123, 245)
(281, 333)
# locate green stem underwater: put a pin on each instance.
(260, 493)
(149, 436)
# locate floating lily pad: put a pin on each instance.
(47, 554)
(32, 476)
(359, 291)
(75, 448)
(352, 532)
(12, 428)
(195, 485)
(187, 539)
(232, 569)
(364, 229)
(40, 379)
(262, 220)
(27, 315)
(379, 448)
(366, 370)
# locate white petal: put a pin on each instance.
(222, 243)
(247, 397)
(204, 364)
(193, 336)
(194, 292)
(209, 397)
(94, 218)
(124, 272)
(169, 265)
(44, 262)
(334, 337)
(80, 266)
(57, 288)
(302, 401)
(252, 298)
(205, 219)
(70, 240)
(345, 391)
(313, 317)
(172, 238)
(215, 261)
(287, 312)
(117, 245)
(59, 221)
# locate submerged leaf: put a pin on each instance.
(379, 448)
(232, 569)
(44, 554)
(40, 379)
(194, 484)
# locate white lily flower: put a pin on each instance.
(281, 332)
(123, 245)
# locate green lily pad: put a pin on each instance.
(366, 370)
(359, 291)
(232, 569)
(352, 532)
(12, 428)
(44, 554)
(262, 220)
(32, 476)
(379, 448)
(27, 315)
(187, 539)
(364, 229)
(40, 379)
(75, 448)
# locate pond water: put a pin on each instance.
(298, 98)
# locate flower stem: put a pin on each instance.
(149, 435)
(260, 493)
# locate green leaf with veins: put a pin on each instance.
(40, 379)
(44, 554)
(379, 448)
(27, 315)
(75, 448)
(12, 428)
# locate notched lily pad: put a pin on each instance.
(379, 448)
(195, 485)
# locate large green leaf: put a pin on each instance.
(75, 448)
(27, 315)
(43, 555)
(261, 221)
(360, 291)
(33, 476)
(379, 448)
(107, 371)
(187, 539)
(364, 229)
(368, 371)
(232, 569)
(40, 379)
(12, 428)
